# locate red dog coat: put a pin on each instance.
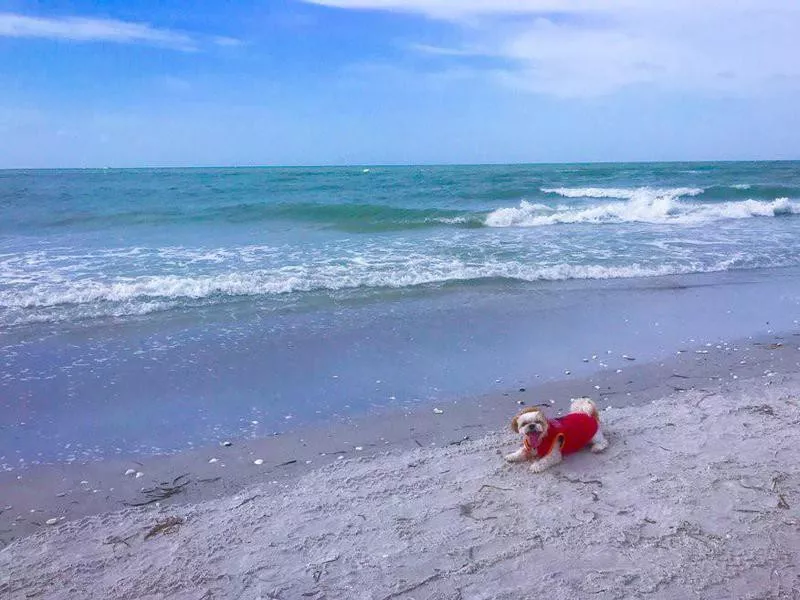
(572, 431)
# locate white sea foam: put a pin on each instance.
(507, 217)
(54, 314)
(150, 287)
(646, 207)
(623, 193)
(449, 220)
(142, 295)
(741, 186)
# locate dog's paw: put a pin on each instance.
(598, 446)
(514, 457)
(538, 467)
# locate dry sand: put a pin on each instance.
(697, 497)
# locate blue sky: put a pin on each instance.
(176, 82)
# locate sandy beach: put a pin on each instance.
(34, 493)
(698, 496)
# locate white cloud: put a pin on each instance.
(442, 50)
(457, 9)
(224, 41)
(594, 47)
(453, 9)
(81, 29)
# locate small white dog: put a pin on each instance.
(545, 441)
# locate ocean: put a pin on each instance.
(149, 310)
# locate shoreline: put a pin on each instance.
(688, 501)
(154, 386)
(67, 492)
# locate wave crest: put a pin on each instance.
(145, 294)
(643, 208)
(623, 193)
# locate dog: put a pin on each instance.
(545, 441)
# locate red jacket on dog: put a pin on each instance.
(573, 431)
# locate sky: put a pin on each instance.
(124, 83)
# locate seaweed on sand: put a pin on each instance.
(167, 526)
(163, 490)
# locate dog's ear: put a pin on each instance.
(515, 420)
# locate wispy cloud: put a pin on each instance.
(451, 9)
(84, 29)
(226, 42)
(443, 50)
(589, 47)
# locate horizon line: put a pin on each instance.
(401, 165)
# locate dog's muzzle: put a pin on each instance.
(533, 438)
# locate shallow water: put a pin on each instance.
(80, 392)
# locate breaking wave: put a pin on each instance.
(91, 298)
(623, 193)
(646, 206)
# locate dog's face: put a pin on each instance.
(532, 424)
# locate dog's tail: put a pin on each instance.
(584, 405)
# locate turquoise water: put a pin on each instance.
(150, 310)
(79, 245)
